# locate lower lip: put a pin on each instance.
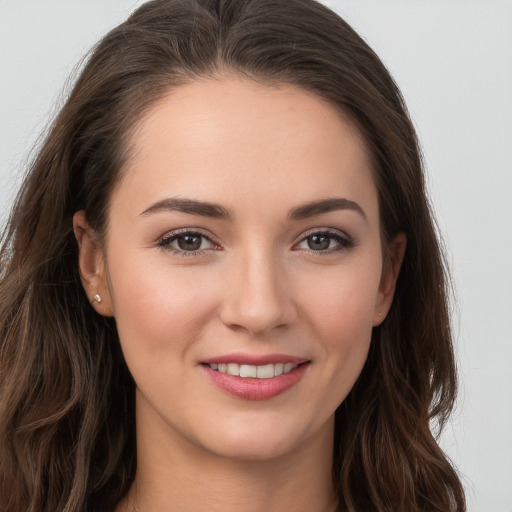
(255, 389)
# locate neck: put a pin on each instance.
(175, 475)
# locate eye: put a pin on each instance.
(325, 242)
(186, 243)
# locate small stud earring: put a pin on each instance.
(97, 298)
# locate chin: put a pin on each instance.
(262, 439)
(251, 449)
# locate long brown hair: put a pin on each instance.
(67, 427)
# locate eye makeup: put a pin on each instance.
(190, 242)
(317, 239)
(186, 243)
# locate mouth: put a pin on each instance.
(266, 371)
(255, 377)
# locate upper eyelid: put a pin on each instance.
(208, 235)
(184, 231)
(333, 231)
(212, 239)
(326, 231)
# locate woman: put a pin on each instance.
(221, 286)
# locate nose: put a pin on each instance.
(258, 296)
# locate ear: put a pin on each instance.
(91, 266)
(390, 271)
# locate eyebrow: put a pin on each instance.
(324, 206)
(183, 205)
(216, 211)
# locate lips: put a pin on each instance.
(253, 377)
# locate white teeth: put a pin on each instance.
(288, 367)
(247, 370)
(266, 371)
(233, 369)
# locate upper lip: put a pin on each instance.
(254, 360)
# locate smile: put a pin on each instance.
(266, 371)
(251, 377)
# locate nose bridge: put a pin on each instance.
(257, 297)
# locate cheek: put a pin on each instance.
(158, 312)
(343, 302)
(341, 312)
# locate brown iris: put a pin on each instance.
(189, 242)
(318, 242)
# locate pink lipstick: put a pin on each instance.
(255, 377)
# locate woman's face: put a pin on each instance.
(243, 266)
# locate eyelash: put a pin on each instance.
(166, 241)
(344, 241)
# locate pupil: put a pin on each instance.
(318, 242)
(189, 242)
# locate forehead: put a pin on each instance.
(243, 143)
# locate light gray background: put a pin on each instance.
(453, 62)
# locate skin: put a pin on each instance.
(258, 287)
